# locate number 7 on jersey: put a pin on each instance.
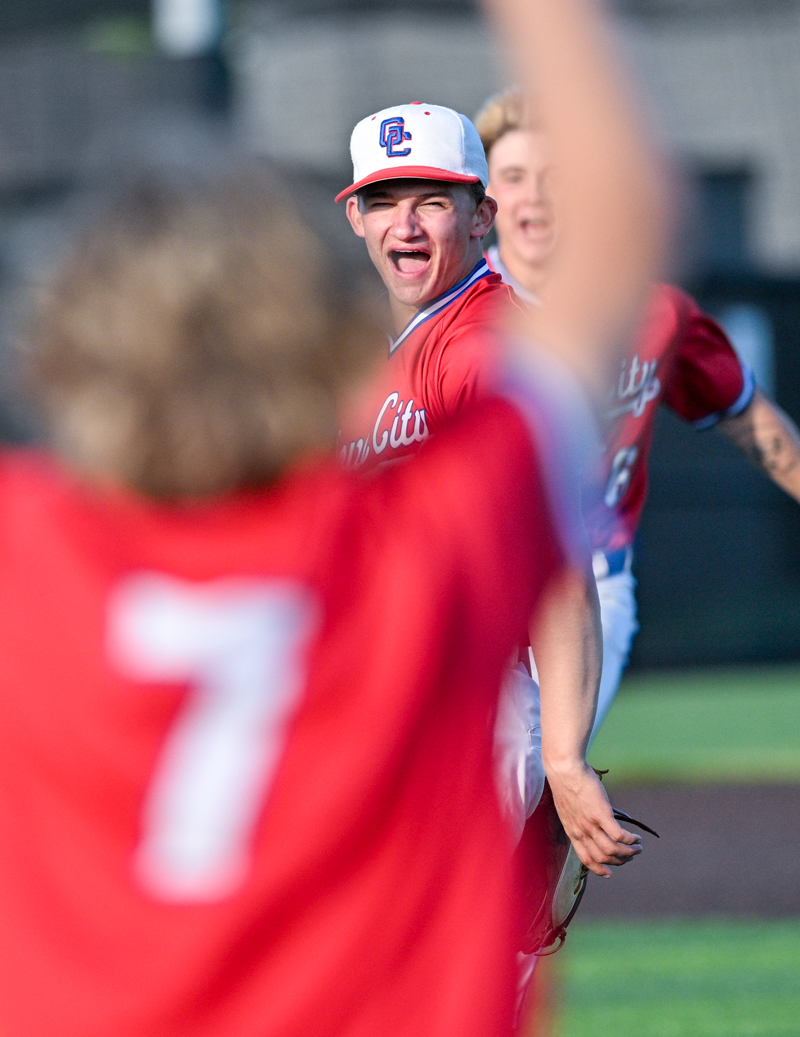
(240, 645)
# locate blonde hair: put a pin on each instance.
(196, 340)
(501, 114)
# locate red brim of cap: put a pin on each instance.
(408, 173)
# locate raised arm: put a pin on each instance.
(611, 218)
(610, 195)
(770, 439)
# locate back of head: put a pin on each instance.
(196, 340)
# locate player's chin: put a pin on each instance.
(413, 291)
(535, 255)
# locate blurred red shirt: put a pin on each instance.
(246, 778)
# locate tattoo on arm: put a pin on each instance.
(765, 440)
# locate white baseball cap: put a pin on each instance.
(416, 140)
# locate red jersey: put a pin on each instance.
(246, 781)
(684, 359)
(439, 363)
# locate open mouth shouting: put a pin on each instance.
(410, 261)
(535, 227)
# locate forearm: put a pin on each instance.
(769, 439)
(568, 648)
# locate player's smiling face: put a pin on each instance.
(423, 236)
(520, 178)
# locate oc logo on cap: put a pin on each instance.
(393, 133)
(446, 147)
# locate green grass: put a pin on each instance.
(120, 36)
(709, 725)
(681, 979)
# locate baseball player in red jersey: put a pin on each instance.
(418, 199)
(237, 798)
(681, 357)
(423, 224)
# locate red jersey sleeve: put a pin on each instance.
(707, 380)
(467, 370)
(466, 355)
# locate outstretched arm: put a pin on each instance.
(770, 439)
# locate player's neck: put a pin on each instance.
(532, 277)
(402, 313)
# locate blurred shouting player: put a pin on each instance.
(246, 696)
(681, 357)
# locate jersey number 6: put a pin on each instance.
(620, 476)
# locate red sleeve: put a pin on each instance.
(467, 368)
(707, 380)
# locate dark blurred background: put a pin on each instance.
(91, 91)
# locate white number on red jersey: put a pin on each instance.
(239, 644)
(620, 476)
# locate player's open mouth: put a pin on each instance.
(538, 227)
(409, 261)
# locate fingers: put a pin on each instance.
(617, 850)
(599, 840)
(618, 834)
(597, 869)
(598, 830)
(598, 852)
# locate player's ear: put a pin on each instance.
(483, 218)
(353, 210)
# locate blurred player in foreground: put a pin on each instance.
(246, 697)
(681, 357)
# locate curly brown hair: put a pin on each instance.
(196, 340)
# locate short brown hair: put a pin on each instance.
(502, 113)
(478, 192)
(196, 340)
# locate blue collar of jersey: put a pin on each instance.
(435, 306)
